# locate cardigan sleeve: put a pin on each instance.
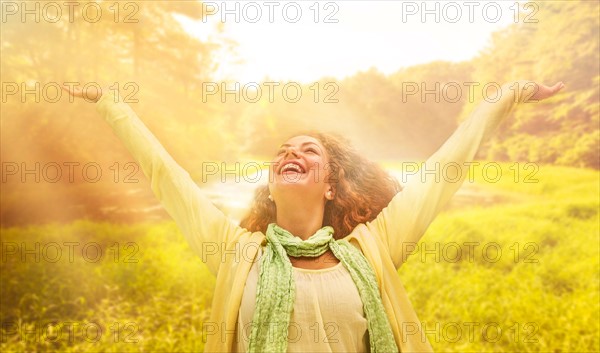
(208, 231)
(404, 221)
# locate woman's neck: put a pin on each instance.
(302, 222)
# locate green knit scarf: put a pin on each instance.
(275, 294)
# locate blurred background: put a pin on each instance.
(131, 276)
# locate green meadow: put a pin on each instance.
(518, 274)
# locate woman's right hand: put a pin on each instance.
(92, 93)
(543, 92)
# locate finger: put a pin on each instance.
(70, 90)
(547, 91)
(557, 87)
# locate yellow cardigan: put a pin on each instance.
(229, 250)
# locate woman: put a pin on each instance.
(313, 267)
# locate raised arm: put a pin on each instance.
(404, 221)
(206, 228)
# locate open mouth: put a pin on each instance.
(291, 167)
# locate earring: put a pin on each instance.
(329, 194)
(270, 197)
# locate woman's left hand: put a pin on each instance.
(544, 91)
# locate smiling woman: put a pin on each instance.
(313, 268)
(355, 189)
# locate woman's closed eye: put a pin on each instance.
(308, 150)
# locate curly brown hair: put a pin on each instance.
(361, 187)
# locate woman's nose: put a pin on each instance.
(291, 150)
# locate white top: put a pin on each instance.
(328, 313)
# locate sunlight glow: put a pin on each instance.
(386, 35)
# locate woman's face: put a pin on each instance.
(300, 164)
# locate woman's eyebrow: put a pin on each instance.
(305, 143)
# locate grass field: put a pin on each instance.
(519, 275)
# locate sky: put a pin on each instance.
(306, 40)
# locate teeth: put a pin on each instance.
(291, 166)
